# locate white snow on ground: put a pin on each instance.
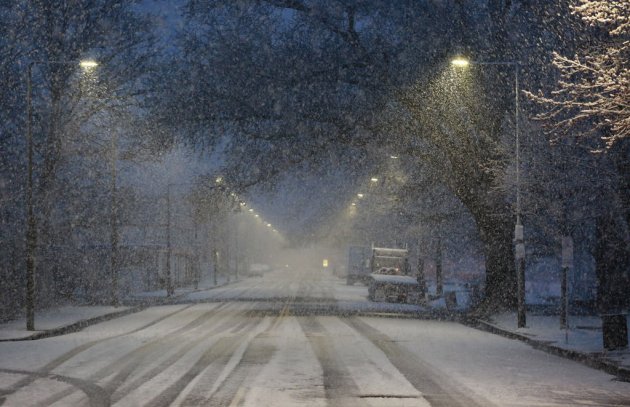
(293, 377)
(32, 355)
(206, 284)
(371, 369)
(8, 379)
(40, 390)
(344, 292)
(58, 317)
(505, 372)
(153, 387)
(103, 353)
(54, 318)
(500, 370)
(584, 333)
(235, 359)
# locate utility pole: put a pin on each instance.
(567, 264)
(197, 255)
(236, 253)
(439, 286)
(114, 224)
(31, 221)
(215, 266)
(169, 280)
(519, 241)
(227, 249)
(31, 225)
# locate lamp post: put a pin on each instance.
(169, 280)
(519, 245)
(114, 223)
(31, 221)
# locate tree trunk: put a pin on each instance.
(612, 251)
(500, 267)
(612, 258)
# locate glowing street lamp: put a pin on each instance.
(31, 222)
(88, 64)
(374, 179)
(460, 62)
(519, 245)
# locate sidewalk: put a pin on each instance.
(61, 320)
(71, 318)
(581, 342)
(203, 285)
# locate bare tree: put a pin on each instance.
(594, 86)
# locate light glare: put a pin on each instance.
(88, 64)
(460, 62)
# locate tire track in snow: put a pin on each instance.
(129, 362)
(171, 360)
(239, 361)
(97, 396)
(438, 389)
(204, 376)
(118, 385)
(222, 369)
(339, 387)
(46, 369)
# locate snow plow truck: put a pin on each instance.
(390, 277)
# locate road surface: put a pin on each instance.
(258, 343)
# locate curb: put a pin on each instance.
(622, 373)
(84, 323)
(76, 326)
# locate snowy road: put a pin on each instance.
(236, 350)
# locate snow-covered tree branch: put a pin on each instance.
(594, 87)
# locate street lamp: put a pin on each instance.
(31, 222)
(519, 245)
(460, 62)
(88, 64)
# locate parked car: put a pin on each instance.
(258, 270)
